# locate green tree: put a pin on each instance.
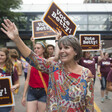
(6, 7)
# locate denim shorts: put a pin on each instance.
(5, 109)
(38, 94)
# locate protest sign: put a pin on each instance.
(58, 20)
(41, 30)
(6, 96)
(90, 42)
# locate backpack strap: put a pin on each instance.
(45, 86)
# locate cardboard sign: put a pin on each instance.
(58, 20)
(6, 96)
(90, 42)
(41, 30)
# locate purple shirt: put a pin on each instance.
(89, 63)
(109, 77)
(105, 66)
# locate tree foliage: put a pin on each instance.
(6, 7)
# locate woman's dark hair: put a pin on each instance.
(46, 54)
(72, 41)
(14, 53)
(105, 53)
(50, 45)
(8, 62)
(84, 55)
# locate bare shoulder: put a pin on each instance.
(19, 62)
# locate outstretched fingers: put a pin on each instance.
(4, 31)
(7, 23)
(14, 26)
(5, 27)
(59, 34)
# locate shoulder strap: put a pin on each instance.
(45, 86)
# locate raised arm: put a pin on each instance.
(56, 57)
(11, 31)
(33, 41)
(59, 35)
(101, 54)
(33, 59)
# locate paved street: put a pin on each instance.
(107, 105)
(18, 97)
(101, 107)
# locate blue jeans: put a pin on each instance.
(5, 109)
(103, 83)
(36, 94)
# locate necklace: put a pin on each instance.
(4, 69)
(15, 63)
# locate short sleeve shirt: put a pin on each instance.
(109, 77)
(14, 75)
(89, 63)
(105, 66)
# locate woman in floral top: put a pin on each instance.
(70, 85)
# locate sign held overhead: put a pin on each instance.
(58, 20)
(90, 42)
(41, 30)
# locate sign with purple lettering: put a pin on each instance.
(6, 96)
(90, 42)
(58, 20)
(41, 30)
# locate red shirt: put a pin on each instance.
(35, 80)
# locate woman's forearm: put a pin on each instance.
(25, 88)
(25, 51)
(59, 35)
(56, 58)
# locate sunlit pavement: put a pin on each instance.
(99, 107)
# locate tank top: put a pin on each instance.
(35, 80)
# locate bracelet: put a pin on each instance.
(56, 40)
(99, 75)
